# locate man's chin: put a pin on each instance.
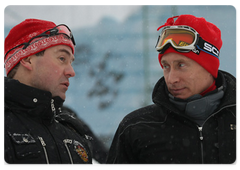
(181, 96)
(62, 96)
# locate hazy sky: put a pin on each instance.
(73, 15)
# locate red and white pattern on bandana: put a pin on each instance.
(16, 55)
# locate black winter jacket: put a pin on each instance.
(35, 131)
(160, 133)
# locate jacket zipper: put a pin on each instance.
(44, 148)
(66, 141)
(200, 128)
(201, 142)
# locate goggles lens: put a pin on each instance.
(184, 39)
(179, 38)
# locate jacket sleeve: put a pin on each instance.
(121, 151)
(9, 123)
(5, 153)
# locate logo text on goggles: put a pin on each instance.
(210, 48)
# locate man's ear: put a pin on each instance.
(26, 62)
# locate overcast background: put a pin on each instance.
(116, 63)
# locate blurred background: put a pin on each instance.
(116, 63)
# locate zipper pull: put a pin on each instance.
(53, 107)
(68, 141)
(44, 148)
(201, 134)
(88, 137)
(42, 141)
(233, 127)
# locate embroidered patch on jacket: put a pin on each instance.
(22, 138)
(81, 151)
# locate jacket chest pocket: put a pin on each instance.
(24, 145)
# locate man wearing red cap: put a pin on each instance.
(38, 58)
(193, 118)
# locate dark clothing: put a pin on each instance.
(161, 133)
(33, 132)
(99, 150)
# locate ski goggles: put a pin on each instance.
(59, 29)
(184, 39)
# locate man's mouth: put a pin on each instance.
(176, 91)
(65, 84)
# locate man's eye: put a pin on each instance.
(62, 58)
(165, 66)
(181, 65)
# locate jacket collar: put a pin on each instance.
(32, 101)
(198, 108)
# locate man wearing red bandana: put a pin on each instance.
(38, 61)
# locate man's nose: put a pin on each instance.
(69, 71)
(173, 76)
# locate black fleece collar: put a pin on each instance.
(28, 100)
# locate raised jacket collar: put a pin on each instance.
(37, 103)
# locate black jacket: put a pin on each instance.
(99, 150)
(35, 131)
(160, 133)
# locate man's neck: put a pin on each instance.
(209, 89)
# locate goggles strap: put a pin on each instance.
(207, 48)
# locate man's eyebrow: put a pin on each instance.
(175, 61)
(163, 62)
(65, 51)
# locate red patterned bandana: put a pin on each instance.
(25, 31)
